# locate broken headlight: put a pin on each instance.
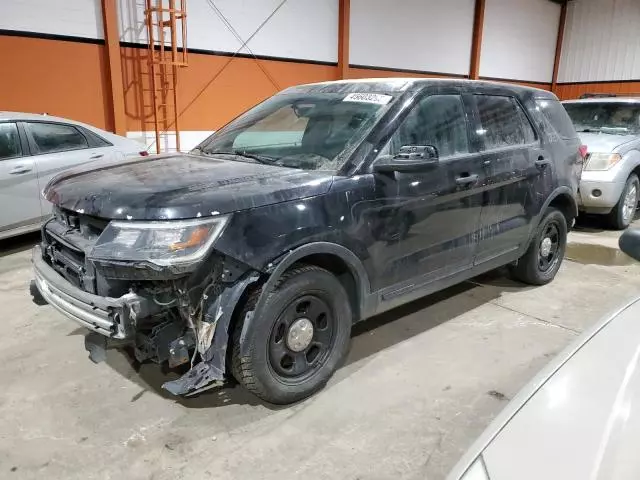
(164, 243)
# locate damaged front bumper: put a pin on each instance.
(121, 319)
(111, 317)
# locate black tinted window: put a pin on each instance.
(437, 120)
(9, 141)
(557, 116)
(53, 137)
(502, 122)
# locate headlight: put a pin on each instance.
(477, 471)
(175, 242)
(601, 161)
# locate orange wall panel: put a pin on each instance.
(213, 89)
(568, 91)
(61, 78)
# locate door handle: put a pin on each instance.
(467, 179)
(542, 162)
(18, 169)
(96, 156)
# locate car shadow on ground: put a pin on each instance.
(368, 338)
(597, 223)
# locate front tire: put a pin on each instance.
(622, 214)
(542, 260)
(297, 340)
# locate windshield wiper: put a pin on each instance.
(240, 153)
(258, 158)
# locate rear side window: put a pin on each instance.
(503, 123)
(9, 141)
(557, 116)
(54, 137)
(94, 139)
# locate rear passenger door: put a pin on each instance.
(512, 161)
(19, 193)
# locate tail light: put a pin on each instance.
(144, 153)
(582, 149)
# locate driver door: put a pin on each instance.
(425, 222)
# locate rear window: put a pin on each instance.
(557, 116)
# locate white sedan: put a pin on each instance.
(34, 148)
(579, 419)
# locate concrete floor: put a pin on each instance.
(420, 384)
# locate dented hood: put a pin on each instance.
(180, 186)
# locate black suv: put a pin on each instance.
(254, 254)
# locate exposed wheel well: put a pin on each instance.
(636, 171)
(343, 273)
(566, 205)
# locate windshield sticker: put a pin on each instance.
(376, 98)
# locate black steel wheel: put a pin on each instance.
(545, 253)
(302, 338)
(549, 247)
(295, 338)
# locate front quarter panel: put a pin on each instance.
(258, 237)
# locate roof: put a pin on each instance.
(33, 116)
(605, 100)
(396, 84)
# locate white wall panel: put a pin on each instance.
(77, 18)
(601, 41)
(519, 39)
(427, 35)
(304, 29)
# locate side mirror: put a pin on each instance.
(410, 158)
(629, 243)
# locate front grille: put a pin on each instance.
(67, 239)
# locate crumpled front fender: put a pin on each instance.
(212, 342)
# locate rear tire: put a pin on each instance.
(622, 214)
(542, 260)
(297, 340)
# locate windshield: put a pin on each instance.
(606, 117)
(308, 131)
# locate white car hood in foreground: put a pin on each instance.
(580, 417)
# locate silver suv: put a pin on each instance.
(610, 127)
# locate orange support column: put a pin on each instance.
(114, 67)
(476, 41)
(556, 62)
(344, 17)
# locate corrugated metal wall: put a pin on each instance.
(602, 45)
(519, 39)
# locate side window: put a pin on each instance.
(437, 120)
(95, 139)
(502, 122)
(53, 137)
(557, 116)
(9, 141)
